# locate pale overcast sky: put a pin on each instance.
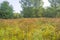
(17, 7)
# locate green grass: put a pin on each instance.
(30, 29)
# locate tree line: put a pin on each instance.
(31, 9)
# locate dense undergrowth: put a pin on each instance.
(30, 29)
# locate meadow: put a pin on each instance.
(30, 29)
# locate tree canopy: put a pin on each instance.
(6, 10)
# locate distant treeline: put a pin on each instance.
(31, 9)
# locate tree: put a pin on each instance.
(56, 5)
(31, 3)
(31, 8)
(6, 10)
(17, 15)
(50, 12)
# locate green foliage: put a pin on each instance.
(6, 10)
(50, 12)
(31, 8)
(27, 12)
(56, 5)
(17, 15)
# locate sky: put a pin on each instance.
(17, 7)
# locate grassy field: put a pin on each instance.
(30, 29)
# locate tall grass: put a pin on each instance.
(30, 29)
